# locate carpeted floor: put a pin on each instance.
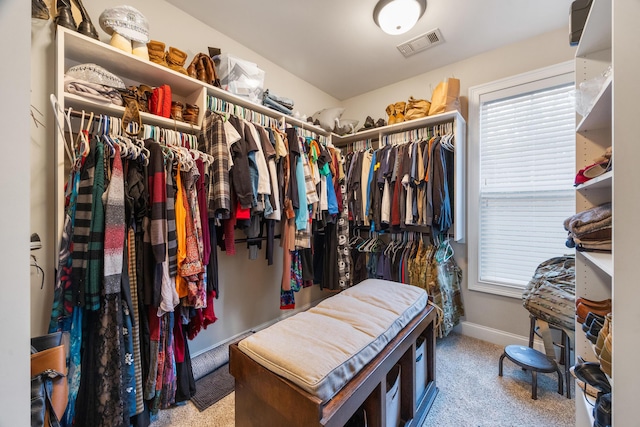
(471, 394)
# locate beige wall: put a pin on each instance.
(483, 311)
(547, 49)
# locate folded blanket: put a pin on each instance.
(588, 221)
(594, 236)
(95, 92)
(599, 240)
(266, 101)
(285, 102)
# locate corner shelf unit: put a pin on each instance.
(460, 132)
(610, 39)
(594, 270)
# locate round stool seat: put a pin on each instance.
(530, 358)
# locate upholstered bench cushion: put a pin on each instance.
(322, 348)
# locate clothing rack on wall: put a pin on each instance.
(421, 230)
(418, 134)
(310, 134)
(178, 143)
(362, 145)
(226, 108)
(255, 239)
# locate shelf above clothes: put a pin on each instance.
(376, 133)
(78, 103)
(76, 48)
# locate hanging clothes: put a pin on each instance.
(214, 141)
(144, 218)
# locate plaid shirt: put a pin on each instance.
(212, 141)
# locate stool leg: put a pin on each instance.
(532, 330)
(534, 385)
(567, 363)
(560, 381)
(500, 364)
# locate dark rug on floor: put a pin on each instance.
(213, 387)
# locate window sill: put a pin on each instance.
(496, 289)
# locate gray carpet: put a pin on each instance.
(471, 394)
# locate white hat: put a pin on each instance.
(126, 21)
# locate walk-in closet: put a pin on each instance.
(196, 188)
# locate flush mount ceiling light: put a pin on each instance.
(398, 16)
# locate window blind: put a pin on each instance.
(527, 169)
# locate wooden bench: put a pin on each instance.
(263, 398)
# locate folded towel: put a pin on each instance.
(588, 221)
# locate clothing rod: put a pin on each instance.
(221, 106)
(422, 229)
(79, 113)
(254, 239)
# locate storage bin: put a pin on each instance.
(240, 77)
(421, 367)
(359, 419)
(393, 397)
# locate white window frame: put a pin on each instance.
(538, 79)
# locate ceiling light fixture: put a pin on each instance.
(398, 16)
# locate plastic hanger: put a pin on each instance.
(57, 110)
(444, 251)
(83, 135)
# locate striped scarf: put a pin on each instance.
(114, 227)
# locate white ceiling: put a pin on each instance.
(336, 46)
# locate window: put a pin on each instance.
(522, 168)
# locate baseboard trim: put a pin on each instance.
(283, 315)
(496, 336)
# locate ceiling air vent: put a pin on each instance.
(420, 43)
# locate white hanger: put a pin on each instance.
(57, 110)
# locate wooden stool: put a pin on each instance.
(531, 359)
